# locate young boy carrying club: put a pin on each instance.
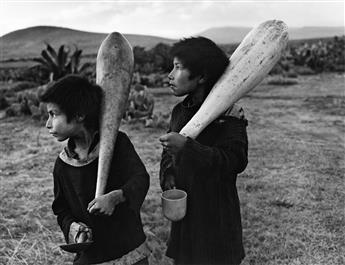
(207, 167)
(112, 221)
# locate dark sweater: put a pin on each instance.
(74, 188)
(207, 168)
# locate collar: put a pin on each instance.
(188, 103)
(69, 156)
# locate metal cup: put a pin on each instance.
(174, 204)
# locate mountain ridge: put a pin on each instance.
(228, 34)
(29, 42)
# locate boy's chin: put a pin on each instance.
(176, 94)
(60, 138)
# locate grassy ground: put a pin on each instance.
(292, 192)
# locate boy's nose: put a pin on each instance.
(170, 77)
(48, 124)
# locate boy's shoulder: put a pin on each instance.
(121, 134)
(123, 142)
(122, 137)
(234, 111)
(66, 156)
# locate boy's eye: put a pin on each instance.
(51, 114)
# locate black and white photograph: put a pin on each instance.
(170, 132)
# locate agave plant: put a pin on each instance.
(61, 63)
(74, 62)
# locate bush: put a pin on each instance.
(319, 55)
(14, 110)
(23, 86)
(291, 73)
(26, 102)
(304, 70)
(155, 80)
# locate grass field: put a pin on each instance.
(292, 193)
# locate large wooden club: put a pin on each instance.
(256, 55)
(114, 69)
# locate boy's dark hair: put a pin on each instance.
(76, 95)
(201, 56)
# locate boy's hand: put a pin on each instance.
(79, 233)
(169, 183)
(173, 142)
(105, 204)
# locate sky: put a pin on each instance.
(165, 18)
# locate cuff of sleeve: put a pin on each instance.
(129, 197)
(126, 192)
(194, 153)
(66, 230)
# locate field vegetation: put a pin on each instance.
(292, 193)
(151, 66)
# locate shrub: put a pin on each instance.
(23, 86)
(26, 102)
(291, 73)
(304, 70)
(154, 80)
(14, 110)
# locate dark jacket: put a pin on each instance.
(74, 188)
(207, 168)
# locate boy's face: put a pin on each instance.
(58, 126)
(179, 81)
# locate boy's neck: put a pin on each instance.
(84, 140)
(198, 95)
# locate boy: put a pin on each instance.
(207, 167)
(112, 221)
(141, 103)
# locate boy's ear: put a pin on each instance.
(202, 80)
(80, 118)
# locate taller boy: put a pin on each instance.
(207, 167)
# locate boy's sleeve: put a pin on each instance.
(136, 178)
(229, 155)
(166, 168)
(60, 207)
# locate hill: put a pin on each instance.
(28, 43)
(226, 35)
